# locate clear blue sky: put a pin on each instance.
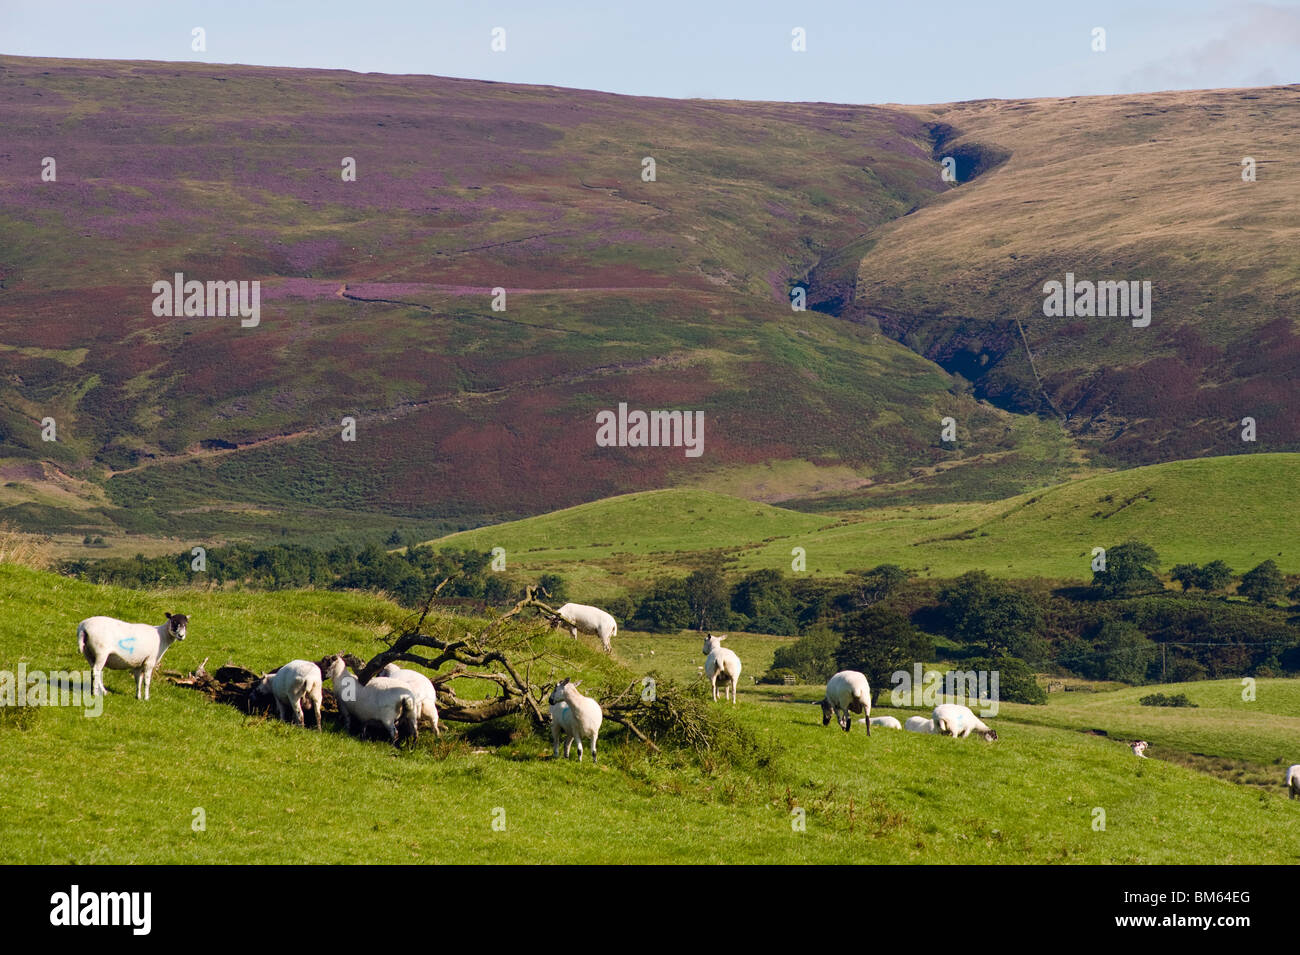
(859, 51)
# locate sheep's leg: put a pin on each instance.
(139, 684)
(714, 683)
(578, 740)
(593, 748)
(148, 677)
(97, 678)
(298, 719)
(568, 747)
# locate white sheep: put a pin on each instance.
(846, 692)
(574, 716)
(289, 685)
(421, 686)
(118, 645)
(919, 724)
(1139, 747)
(721, 662)
(382, 700)
(888, 722)
(953, 719)
(1293, 780)
(588, 620)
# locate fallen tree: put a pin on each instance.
(502, 653)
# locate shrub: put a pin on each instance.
(811, 657)
(1159, 699)
(1017, 682)
(1262, 584)
(1130, 569)
(992, 614)
(777, 676)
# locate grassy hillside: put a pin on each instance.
(1142, 187)
(1238, 509)
(377, 299)
(72, 789)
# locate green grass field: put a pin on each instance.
(124, 787)
(1239, 509)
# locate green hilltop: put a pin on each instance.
(1239, 509)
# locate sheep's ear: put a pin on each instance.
(170, 615)
(578, 684)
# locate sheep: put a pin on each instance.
(919, 724)
(588, 620)
(721, 662)
(846, 692)
(289, 685)
(1139, 747)
(1293, 780)
(888, 722)
(953, 719)
(421, 686)
(383, 700)
(574, 716)
(118, 645)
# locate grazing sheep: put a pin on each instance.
(919, 724)
(1139, 747)
(721, 662)
(421, 686)
(383, 700)
(588, 620)
(289, 685)
(953, 719)
(888, 722)
(118, 645)
(574, 716)
(846, 692)
(1293, 780)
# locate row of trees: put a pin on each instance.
(1131, 568)
(409, 577)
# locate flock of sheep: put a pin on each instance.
(398, 697)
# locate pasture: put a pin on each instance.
(124, 787)
(616, 544)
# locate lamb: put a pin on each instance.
(574, 716)
(721, 662)
(953, 719)
(846, 692)
(1139, 747)
(421, 686)
(888, 722)
(919, 724)
(289, 685)
(1293, 780)
(588, 620)
(383, 700)
(118, 645)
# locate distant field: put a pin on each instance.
(1239, 509)
(269, 792)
